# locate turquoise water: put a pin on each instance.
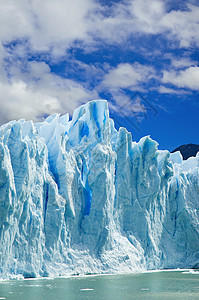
(156, 285)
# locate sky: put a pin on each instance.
(142, 56)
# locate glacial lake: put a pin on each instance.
(152, 285)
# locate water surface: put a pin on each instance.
(155, 285)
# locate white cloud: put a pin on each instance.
(61, 22)
(55, 25)
(37, 91)
(15, 20)
(130, 76)
(21, 101)
(29, 89)
(126, 106)
(182, 62)
(137, 106)
(147, 15)
(46, 24)
(128, 18)
(165, 90)
(188, 78)
(183, 26)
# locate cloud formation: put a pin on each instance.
(58, 24)
(128, 18)
(45, 24)
(36, 34)
(127, 76)
(32, 91)
(188, 78)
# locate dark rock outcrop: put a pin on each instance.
(187, 150)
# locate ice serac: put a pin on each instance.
(79, 197)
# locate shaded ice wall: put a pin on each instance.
(80, 197)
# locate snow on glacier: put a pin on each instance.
(79, 197)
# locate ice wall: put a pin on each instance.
(79, 197)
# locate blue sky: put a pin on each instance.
(140, 55)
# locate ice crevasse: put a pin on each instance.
(79, 197)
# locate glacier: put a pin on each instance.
(80, 197)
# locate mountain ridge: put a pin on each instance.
(187, 150)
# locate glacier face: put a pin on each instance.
(79, 197)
